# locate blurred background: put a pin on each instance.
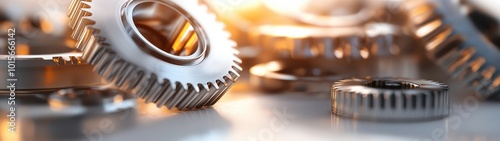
(292, 52)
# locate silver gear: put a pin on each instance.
(48, 72)
(109, 34)
(456, 45)
(300, 41)
(390, 99)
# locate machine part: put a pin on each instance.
(93, 100)
(47, 72)
(71, 114)
(294, 41)
(453, 41)
(170, 52)
(327, 12)
(43, 63)
(390, 99)
(296, 76)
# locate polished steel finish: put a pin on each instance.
(356, 42)
(296, 76)
(170, 52)
(455, 44)
(92, 100)
(390, 99)
(71, 114)
(49, 71)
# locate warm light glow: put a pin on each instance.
(274, 66)
(440, 38)
(5, 135)
(420, 10)
(364, 53)
(185, 35)
(285, 31)
(428, 28)
(22, 49)
(70, 43)
(339, 53)
(46, 26)
(56, 105)
(118, 99)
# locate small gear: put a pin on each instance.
(390, 99)
(170, 52)
(456, 45)
(357, 42)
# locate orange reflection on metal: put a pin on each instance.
(46, 26)
(22, 49)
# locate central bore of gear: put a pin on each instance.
(166, 31)
(386, 84)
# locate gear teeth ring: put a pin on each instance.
(165, 82)
(332, 42)
(390, 99)
(455, 44)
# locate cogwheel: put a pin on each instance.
(170, 52)
(356, 42)
(456, 45)
(390, 99)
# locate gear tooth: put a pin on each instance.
(78, 15)
(167, 92)
(81, 27)
(206, 86)
(196, 88)
(179, 95)
(198, 98)
(207, 96)
(237, 60)
(219, 96)
(237, 68)
(190, 96)
(234, 75)
(215, 84)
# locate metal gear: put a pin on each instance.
(43, 66)
(456, 45)
(296, 75)
(48, 72)
(390, 99)
(356, 42)
(126, 45)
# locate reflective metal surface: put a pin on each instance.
(183, 59)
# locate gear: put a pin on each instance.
(456, 45)
(390, 99)
(48, 72)
(296, 75)
(126, 44)
(296, 41)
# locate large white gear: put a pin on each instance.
(111, 41)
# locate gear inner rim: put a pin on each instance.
(390, 84)
(166, 31)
